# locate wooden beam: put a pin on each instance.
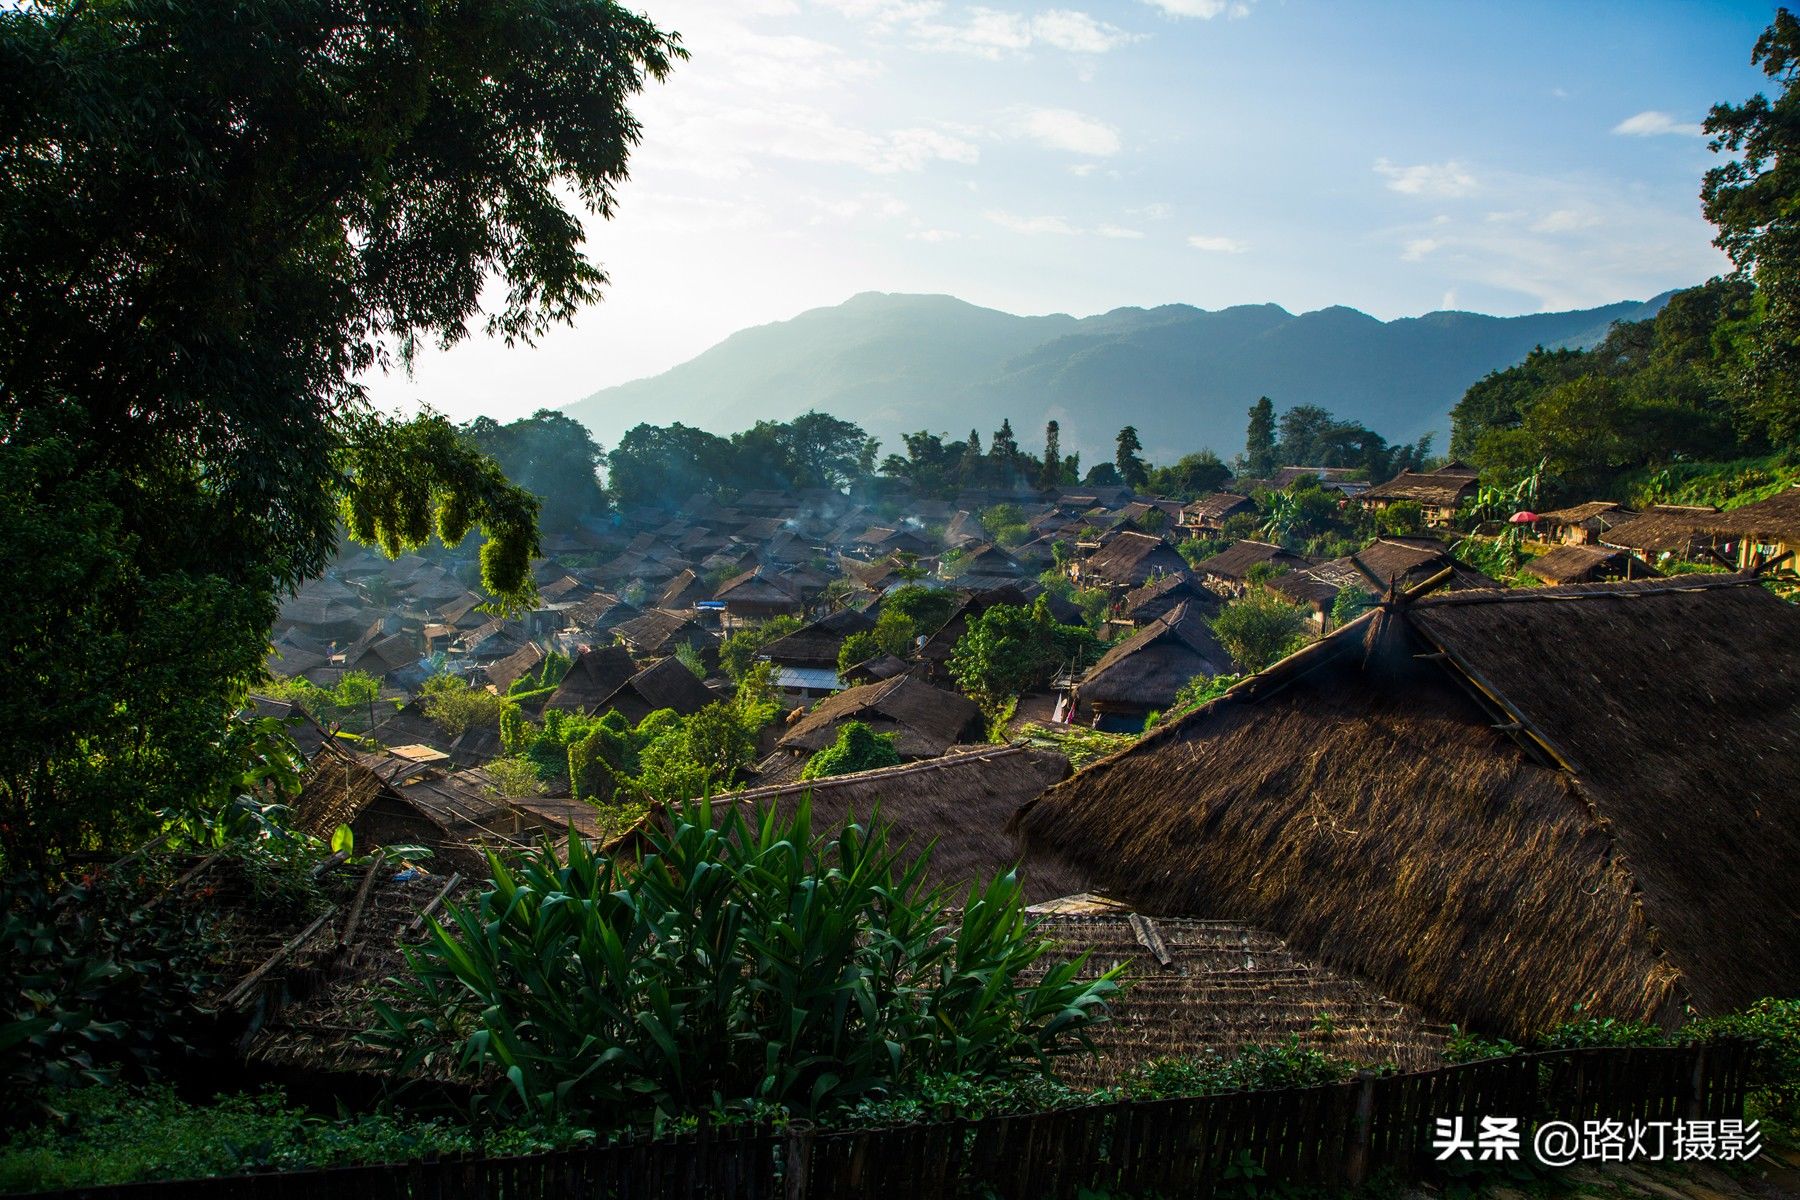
(418, 922)
(242, 990)
(362, 899)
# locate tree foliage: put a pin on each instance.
(1259, 628)
(857, 748)
(1009, 650)
(211, 223)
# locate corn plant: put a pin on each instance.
(735, 962)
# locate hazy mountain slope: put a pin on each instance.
(1185, 376)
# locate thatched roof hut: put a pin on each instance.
(1673, 529)
(1130, 560)
(594, 675)
(1160, 596)
(1495, 804)
(1211, 512)
(758, 592)
(817, 644)
(1438, 492)
(388, 799)
(1142, 673)
(1229, 570)
(1580, 524)
(668, 684)
(1390, 563)
(659, 633)
(925, 720)
(962, 802)
(1576, 563)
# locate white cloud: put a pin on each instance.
(1155, 212)
(1083, 170)
(1118, 231)
(1206, 10)
(934, 235)
(1443, 179)
(988, 32)
(1030, 225)
(1651, 123)
(1061, 129)
(1563, 242)
(1448, 303)
(1565, 220)
(1214, 244)
(1078, 33)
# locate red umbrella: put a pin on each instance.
(1524, 518)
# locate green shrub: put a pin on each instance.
(98, 982)
(113, 1135)
(857, 649)
(455, 705)
(857, 748)
(1258, 1068)
(1259, 629)
(738, 963)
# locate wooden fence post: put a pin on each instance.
(1697, 1086)
(797, 1161)
(1356, 1157)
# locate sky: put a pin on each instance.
(1396, 157)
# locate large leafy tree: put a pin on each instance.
(551, 455)
(213, 221)
(1754, 199)
(1010, 649)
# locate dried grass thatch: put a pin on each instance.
(594, 675)
(1494, 804)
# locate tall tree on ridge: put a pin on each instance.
(1052, 474)
(1132, 471)
(1259, 441)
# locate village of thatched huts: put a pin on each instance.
(592, 679)
(925, 722)
(1496, 805)
(1130, 560)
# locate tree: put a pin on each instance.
(1103, 475)
(1191, 477)
(210, 225)
(1351, 603)
(1008, 650)
(1053, 464)
(857, 649)
(1754, 200)
(551, 455)
(1259, 440)
(1131, 467)
(739, 651)
(857, 748)
(1259, 628)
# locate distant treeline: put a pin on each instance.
(663, 466)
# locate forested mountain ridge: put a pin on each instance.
(1185, 376)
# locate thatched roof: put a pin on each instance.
(1215, 508)
(668, 684)
(1665, 529)
(962, 802)
(1399, 563)
(758, 585)
(1589, 564)
(1132, 559)
(1595, 514)
(513, 667)
(1225, 988)
(1495, 804)
(1144, 671)
(1444, 488)
(1235, 561)
(658, 632)
(682, 590)
(1775, 520)
(927, 721)
(818, 644)
(1158, 597)
(594, 675)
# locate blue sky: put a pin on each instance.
(1071, 157)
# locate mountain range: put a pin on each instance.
(1184, 376)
